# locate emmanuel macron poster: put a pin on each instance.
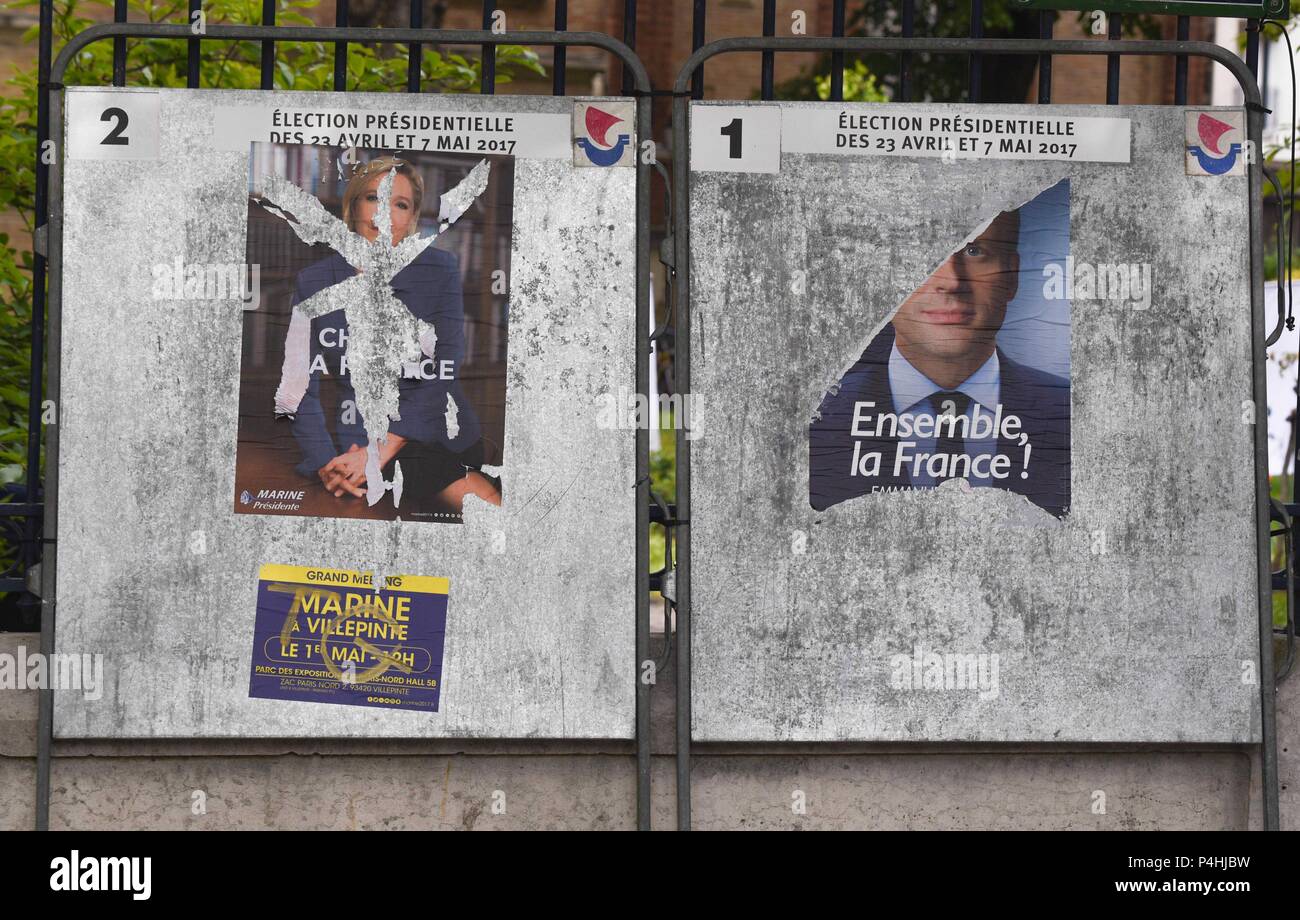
(968, 379)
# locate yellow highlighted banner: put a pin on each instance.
(341, 578)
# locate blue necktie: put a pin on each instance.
(950, 403)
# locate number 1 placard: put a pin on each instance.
(734, 138)
(119, 125)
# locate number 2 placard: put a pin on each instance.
(113, 125)
(736, 138)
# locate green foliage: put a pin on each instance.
(17, 190)
(663, 482)
(152, 62)
(945, 77)
(1281, 488)
(934, 77)
(237, 65)
(859, 85)
(1270, 261)
(663, 462)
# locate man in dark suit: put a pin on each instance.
(933, 398)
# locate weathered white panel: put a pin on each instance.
(797, 614)
(539, 636)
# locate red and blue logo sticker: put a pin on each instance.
(603, 133)
(1215, 143)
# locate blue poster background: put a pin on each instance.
(346, 644)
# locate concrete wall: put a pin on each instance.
(440, 784)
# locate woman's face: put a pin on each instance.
(401, 205)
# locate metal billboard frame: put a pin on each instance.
(49, 242)
(1115, 48)
(688, 85)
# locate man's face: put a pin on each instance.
(960, 308)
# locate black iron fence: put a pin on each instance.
(23, 518)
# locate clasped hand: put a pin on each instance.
(347, 471)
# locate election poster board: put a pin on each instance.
(978, 455)
(334, 454)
